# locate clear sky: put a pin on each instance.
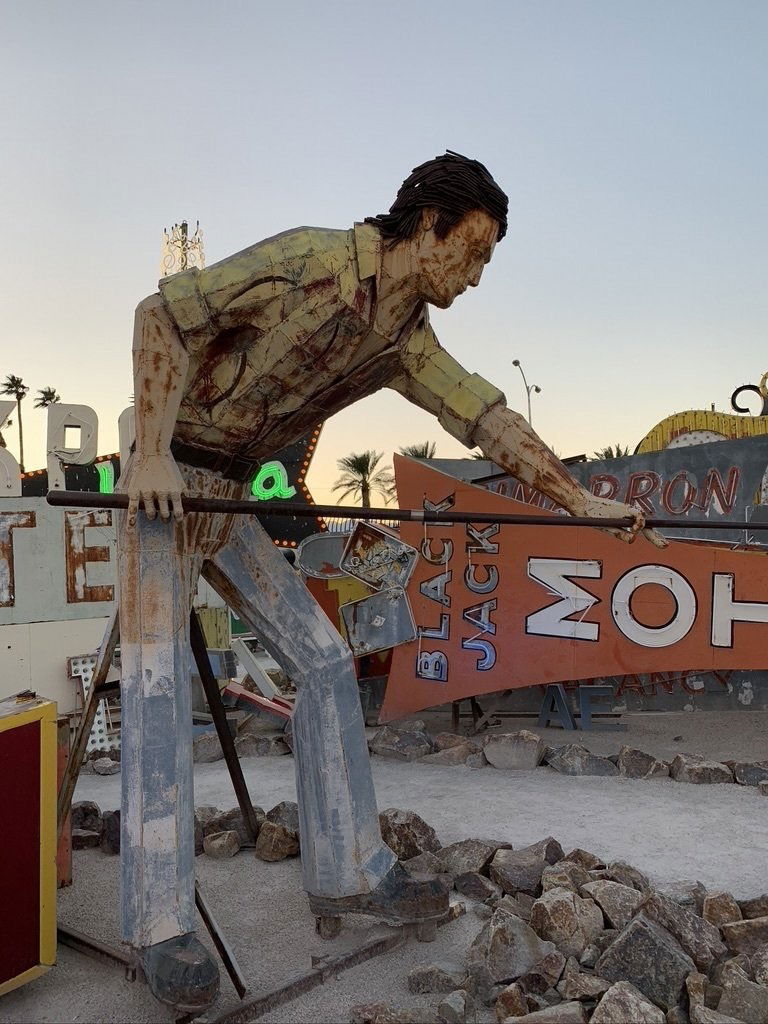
(630, 136)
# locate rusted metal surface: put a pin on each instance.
(378, 622)
(377, 558)
(213, 696)
(90, 499)
(319, 556)
(78, 554)
(324, 969)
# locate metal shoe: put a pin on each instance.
(181, 972)
(398, 898)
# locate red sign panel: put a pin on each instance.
(499, 607)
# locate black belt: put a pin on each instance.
(233, 467)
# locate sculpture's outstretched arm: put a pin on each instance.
(475, 412)
(160, 364)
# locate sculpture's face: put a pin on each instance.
(448, 266)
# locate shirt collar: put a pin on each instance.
(368, 246)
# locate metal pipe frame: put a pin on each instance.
(91, 499)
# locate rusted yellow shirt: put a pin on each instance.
(284, 334)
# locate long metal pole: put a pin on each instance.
(92, 499)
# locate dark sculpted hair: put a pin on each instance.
(453, 185)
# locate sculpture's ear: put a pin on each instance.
(428, 218)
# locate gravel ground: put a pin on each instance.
(669, 830)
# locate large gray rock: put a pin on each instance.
(573, 759)
(576, 984)
(751, 773)
(759, 964)
(636, 764)
(450, 757)
(521, 870)
(511, 1002)
(589, 861)
(206, 747)
(221, 845)
(544, 975)
(622, 1004)
(515, 751)
(285, 813)
(276, 842)
(688, 892)
(446, 740)
(106, 766)
(456, 1008)
(521, 905)
(566, 919)
(720, 908)
(698, 938)
(746, 936)
(704, 1015)
(477, 887)
(507, 948)
(467, 855)
(564, 875)
(401, 746)
(756, 907)
(406, 834)
(110, 832)
(563, 1013)
(439, 977)
(86, 815)
(743, 999)
(232, 820)
(699, 770)
(618, 902)
(261, 745)
(424, 864)
(625, 874)
(651, 959)
(85, 839)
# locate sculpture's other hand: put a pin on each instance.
(607, 508)
(156, 481)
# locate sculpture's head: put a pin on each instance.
(447, 217)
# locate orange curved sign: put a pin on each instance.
(500, 607)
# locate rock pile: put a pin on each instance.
(569, 939)
(525, 751)
(218, 834)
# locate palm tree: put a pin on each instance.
(360, 476)
(16, 387)
(612, 453)
(46, 397)
(424, 450)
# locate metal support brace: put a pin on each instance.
(219, 716)
(97, 691)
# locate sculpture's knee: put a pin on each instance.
(328, 662)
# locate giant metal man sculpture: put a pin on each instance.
(231, 364)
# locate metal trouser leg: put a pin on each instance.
(157, 837)
(342, 851)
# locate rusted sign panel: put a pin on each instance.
(378, 558)
(500, 607)
(378, 622)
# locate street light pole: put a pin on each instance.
(528, 388)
